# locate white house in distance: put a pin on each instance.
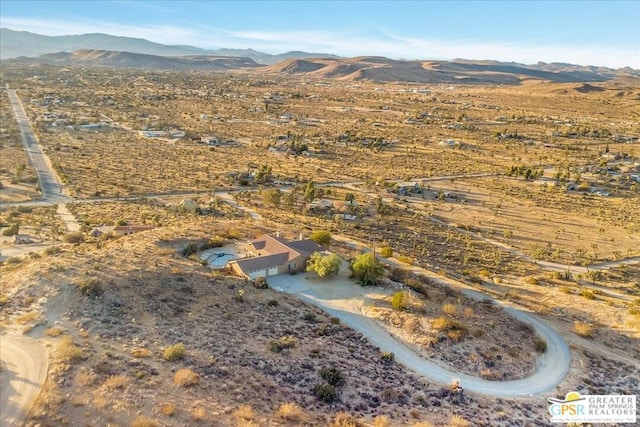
(271, 255)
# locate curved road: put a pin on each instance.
(24, 368)
(346, 301)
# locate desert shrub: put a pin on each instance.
(244, 412)
(289, 412)
(532, 281)
(587, 293)
(325, 392)
(142, 421)
(400, 300)
(335, 320)
(24, 209)
(565, 290)
(52, 250)
(450, 309)
(174, 352)
(398, 274)
(282, 343)
(386, 251)
(332, 375)
(272, 303)
(91, 288)
(211, 243)
(12, 230)
(261, 283)
(417, 285)
(185, 377)
(468, 312)
(168, 409)
(458, 421)
(14, 260)
(342, 419)
(310, 317)
(74, 237)
(404, 259)
(116, 382)
(387, 357)
(321, 237)
(381, 421)
(190, 249)
(583, 330)
(140, 352)
(54, 332)
(68, 351)
(456, 330)
(484, 273)
(540, 345)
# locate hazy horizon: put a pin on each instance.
(579, 32)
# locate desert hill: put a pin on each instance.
(373, 68)
(106, 58)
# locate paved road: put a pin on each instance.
(24, 368)
(50, 185)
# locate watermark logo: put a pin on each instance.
(608, 408)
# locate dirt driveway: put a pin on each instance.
(345, 300)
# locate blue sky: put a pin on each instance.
(603, 33)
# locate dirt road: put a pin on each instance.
(345, 300)
(24, 368)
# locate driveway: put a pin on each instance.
(24, 368)
(345, 300)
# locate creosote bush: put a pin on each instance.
(74, 237)
(583, 330)
(174, 352)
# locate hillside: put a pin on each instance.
(379, 69)
(106, 58)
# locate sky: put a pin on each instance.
(601, 33)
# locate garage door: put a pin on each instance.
(273, 271)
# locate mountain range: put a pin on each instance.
(112, 51)
(15, 44)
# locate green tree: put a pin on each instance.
(310, 191)
(366, 270)
(321, 237)
(324, 265)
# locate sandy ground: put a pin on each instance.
(24, 369)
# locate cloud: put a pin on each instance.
(342, 42)
(157, 33)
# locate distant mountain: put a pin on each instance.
(112, 51)
(108, 58)
(14, 44)
(459, 71)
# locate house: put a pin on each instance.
(123, 230)
(404, 188)
(272, 255)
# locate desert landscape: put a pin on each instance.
(479, 224)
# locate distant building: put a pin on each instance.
(123, 230)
